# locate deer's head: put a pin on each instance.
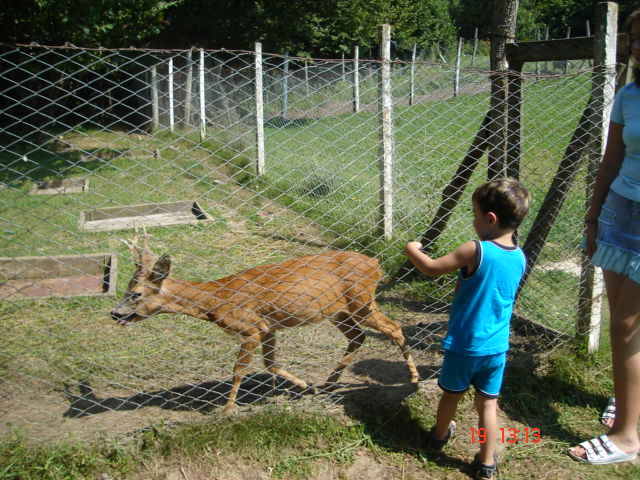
(142, 298)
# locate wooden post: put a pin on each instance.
(504, 28)
(203, 118)
(514, 120)
(344, 71)
(285, 86)
(187, 95)
(602, 92)
(412, 79)
(260, 160)
(356, 79)
(171, 106)
(386, 135)
(456, 77)
(155, 109)
(475, 47)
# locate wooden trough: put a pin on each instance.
(58, 276)
(61, 186)
(148, 215)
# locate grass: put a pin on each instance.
(379, 431)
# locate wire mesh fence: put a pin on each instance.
(98, 143)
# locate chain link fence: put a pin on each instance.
(97, 143)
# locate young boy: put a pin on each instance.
(477, 339)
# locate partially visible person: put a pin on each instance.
(613, 243)
(477, 340)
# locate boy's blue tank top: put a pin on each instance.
(483, 302)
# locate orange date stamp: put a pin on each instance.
(508, 435)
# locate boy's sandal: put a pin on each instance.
(609, 413)
(438, 444)
(482, 471)
(602, 451)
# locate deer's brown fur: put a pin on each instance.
(254, 304)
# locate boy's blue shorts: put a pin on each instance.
(484, 373)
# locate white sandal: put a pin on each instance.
(602, 451)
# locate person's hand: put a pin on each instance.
(590, 233)
(413, 246)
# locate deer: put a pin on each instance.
(254, 304)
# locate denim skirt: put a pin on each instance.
(618, 239)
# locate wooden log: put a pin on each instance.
(580, 48)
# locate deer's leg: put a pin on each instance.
(356, 337)
(249, 343)
(374, 318)
(269, 356)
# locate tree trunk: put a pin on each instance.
(503, 32)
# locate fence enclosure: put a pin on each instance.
(234, 159)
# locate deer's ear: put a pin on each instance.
(161, 269)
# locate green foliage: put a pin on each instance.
(108, 23)
(303, 28)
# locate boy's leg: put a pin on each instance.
(446, 411)
(454, 382)
(488, 383)
(488, 420)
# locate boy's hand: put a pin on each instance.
(413, 246)
(463, 256)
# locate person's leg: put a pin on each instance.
(613, 284)
(446, 411)
(625, 351)
(624, 304)
(454, 382)
(608, 415)
(488, 421)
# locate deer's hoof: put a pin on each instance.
(229, 409)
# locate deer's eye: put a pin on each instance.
(133, 296)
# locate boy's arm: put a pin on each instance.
(463, 256)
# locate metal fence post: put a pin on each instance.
(356, 79)
(171, 105)
(386, 135)
(285, 86)
(186, 121)
(203, 118)
(260, 164)
(155, 110)
(456, 78)
(412, 77)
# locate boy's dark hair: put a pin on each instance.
(507, 198)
